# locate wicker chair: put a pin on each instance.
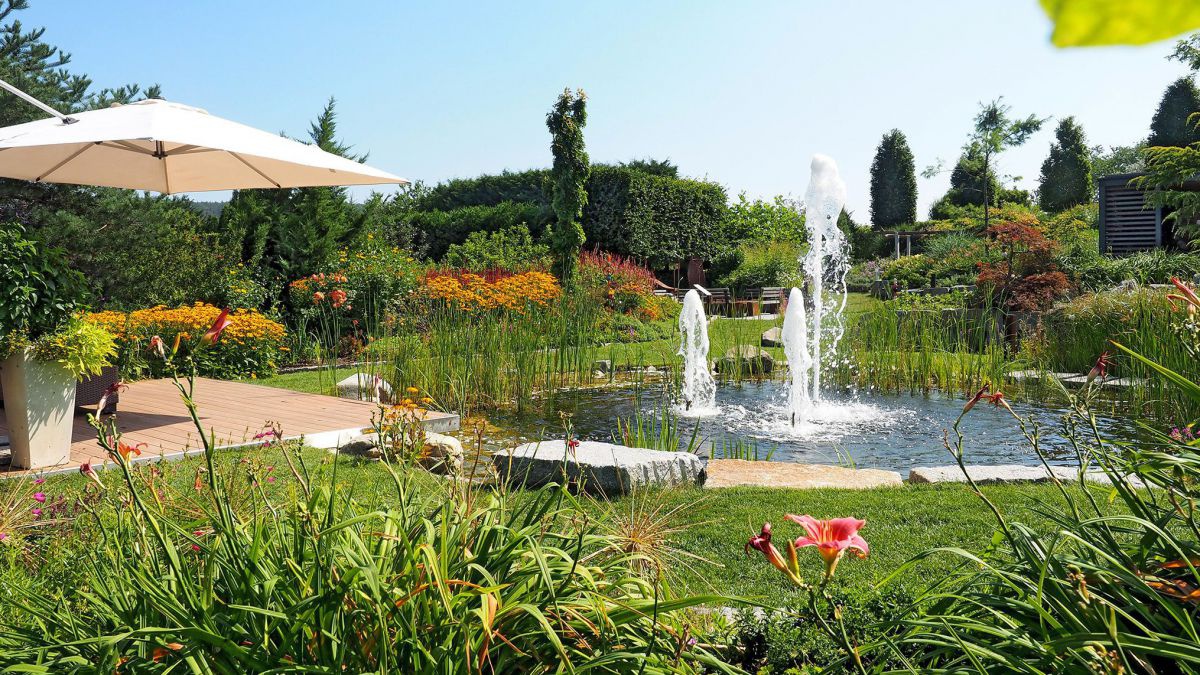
(89, 391)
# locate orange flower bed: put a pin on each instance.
(471, 292)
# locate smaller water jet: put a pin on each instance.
(699, 390)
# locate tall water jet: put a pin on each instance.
(699, 392)
(827, 260)
(795, 348)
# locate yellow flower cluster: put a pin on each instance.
(472, 292)
(246, 325)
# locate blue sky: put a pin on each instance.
(739, 93)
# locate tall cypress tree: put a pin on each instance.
(569, 177)
(1170, 126)
(893, 183)
(1067, 172)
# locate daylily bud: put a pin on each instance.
(214, 333)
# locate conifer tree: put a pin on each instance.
(1066, 178)
(893, 183)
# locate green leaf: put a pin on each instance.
(1085, 23)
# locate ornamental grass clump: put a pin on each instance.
(309, 579)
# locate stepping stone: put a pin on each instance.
(1004, 473)
(724, 473)
(599, 468)
(361, 386)
(772, 337)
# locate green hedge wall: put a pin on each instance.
(528, 187)
(655, 218)
(441, 229)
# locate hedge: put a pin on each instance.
(657, 219)
(528, 187)
(654, 218)
(441, 229)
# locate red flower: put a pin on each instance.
(762, 542)
(158, 347)
(112, 390)
(979, 395)
(90, 471)
(210, 338)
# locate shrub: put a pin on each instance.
(511, 249)
(517, 187)
(912, 271)
(765, 264)
(40, 289)
(616, 283)
(249, 347)
(761, 220)
(380, 278)
(82, 347)
(1025, 277)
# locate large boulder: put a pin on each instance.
(596, 467)
(1007, 473)
(443, 454)
(364, 387)
(746, 359)
(772, 337)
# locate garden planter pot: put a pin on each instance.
(39, 404)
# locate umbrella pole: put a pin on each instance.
(35, 103)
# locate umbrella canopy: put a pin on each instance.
(167, 147)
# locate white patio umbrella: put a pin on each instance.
(167, 147)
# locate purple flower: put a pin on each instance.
(39, 497)
(39, 481)
(37, 513)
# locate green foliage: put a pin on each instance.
(779, 641)
(40, 289)
(120, 241)
(912, 271)
(380, 278)
(1168, 168)
(967, 185)
(1117, 159)
(654, 167)
(83, 348)
(775, 263)
(569, 177)
(295, 232)
(1066, 178)
(512, 249)
(523, 187)
(659, 220)
(762, 220)
(1079, 23)
(893, 183)
(443, 229)
(1171, 126)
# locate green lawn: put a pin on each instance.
(901, 521)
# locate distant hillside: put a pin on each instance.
(210, 208)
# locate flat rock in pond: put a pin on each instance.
(599, 468)
(772, 337)
(739, 472)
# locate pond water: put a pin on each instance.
(894, 432)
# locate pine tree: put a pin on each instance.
(1067, 173)
(569, 176)
(893, 183)
(1170, 126)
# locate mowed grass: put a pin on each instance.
(902, 522)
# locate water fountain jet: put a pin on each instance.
(699, 390)
(827, 259)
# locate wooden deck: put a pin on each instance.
(151, 412)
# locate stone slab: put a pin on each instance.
(1004, 473)
(596, 467)
(772, 337)
(723, 473)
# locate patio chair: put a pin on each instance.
(89, 391)
(770, 296)
(720, 299)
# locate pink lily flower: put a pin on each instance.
(90, 471)
(1189, 296)
(831, 537)
(210, 338)
(762, 542)
(1100, 370)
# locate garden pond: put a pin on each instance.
(885, 431)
